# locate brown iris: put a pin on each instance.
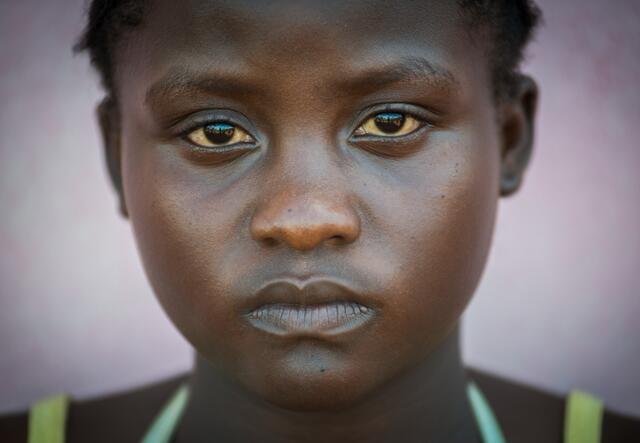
(389, 122)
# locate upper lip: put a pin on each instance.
(312, 291)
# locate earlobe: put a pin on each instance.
(517, 130)
(109, 121)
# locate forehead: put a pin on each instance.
(246, 21)
(300, 44)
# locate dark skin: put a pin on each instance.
(337, 144)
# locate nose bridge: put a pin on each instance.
(308, 203)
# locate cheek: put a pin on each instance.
(441, 226)
(182, 238)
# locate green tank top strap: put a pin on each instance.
(47, 420)
(486, 420)
(162, 428)
(583, 418)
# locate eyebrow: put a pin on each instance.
(407, 69)
(180, 81)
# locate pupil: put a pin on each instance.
(219, 133)
(389, 122)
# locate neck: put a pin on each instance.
(427, 403)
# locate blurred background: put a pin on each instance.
(559, 305)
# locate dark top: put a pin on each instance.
(526, 414)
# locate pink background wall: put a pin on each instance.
(559, 305)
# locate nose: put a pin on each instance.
(305, 220)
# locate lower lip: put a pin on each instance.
(327, 318)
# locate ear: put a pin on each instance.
(109, 121)
(517, 115)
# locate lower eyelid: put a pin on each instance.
(216, 155)
(208, 157)
(237, 146)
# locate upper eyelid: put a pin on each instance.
(373, 115)
(196, 126)
(202, 126)
(417, 112)
(200, 119)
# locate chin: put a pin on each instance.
(314, 394)
(314, 380)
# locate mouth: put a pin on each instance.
(314, 308)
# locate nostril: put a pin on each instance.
(270, 242)
(336, 240)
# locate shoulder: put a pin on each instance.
(529, 414)
(123, 417)
(526, 414)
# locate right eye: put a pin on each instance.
(218, 134)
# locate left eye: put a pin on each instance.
(389, 124)
(218, 134)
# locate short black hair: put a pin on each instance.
(509, 24)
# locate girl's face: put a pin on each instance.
(312, 185)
